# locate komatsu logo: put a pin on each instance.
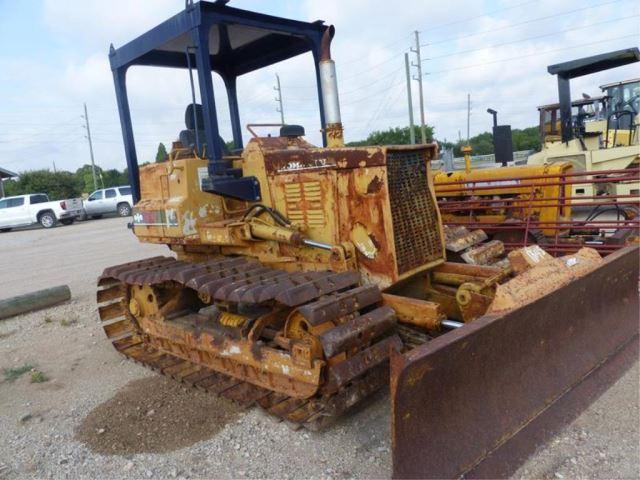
(315, 163)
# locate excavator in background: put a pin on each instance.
(581, 189)
(302, 279)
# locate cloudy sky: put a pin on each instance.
(54, 57)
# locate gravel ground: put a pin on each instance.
(100, 416)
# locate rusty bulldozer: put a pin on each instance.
(303, 278)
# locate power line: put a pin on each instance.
(531, 54)
(468, 19)
(557, 32)
(504, 27)
(374, 94)
(380, 105)
(377, 80)
(362, 59)
(525, 22)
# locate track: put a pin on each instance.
(360, 333)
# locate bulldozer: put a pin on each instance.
(301, 279)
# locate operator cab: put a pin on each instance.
(624, 102)
(583, 111)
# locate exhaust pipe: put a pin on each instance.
(329, 87)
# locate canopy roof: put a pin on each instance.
(574, 103)
(6, 173)
(239, 41)
(596, 63)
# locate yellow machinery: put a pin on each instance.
(299, 276)
(594, 134)
(497, 195)
(559, 193)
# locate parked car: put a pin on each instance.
(25, 210)
(109, 200)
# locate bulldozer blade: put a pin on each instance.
(477, 401)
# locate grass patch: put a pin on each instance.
(7, 334)
(67, 322)
(10, 374)
(38, 377)
(48, 319)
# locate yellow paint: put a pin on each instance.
(509, 182)
(362, 241)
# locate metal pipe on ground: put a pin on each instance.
(30, 302)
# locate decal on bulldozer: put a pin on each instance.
(477, 401)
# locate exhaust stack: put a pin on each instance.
(329, 86)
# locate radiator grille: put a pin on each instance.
(415, 222)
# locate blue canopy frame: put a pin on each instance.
(213, 37)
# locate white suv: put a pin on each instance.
(109, 200)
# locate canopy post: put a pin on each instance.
(217, 166)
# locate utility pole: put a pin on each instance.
(418, 64)
(279, 99)
(54, 167)
(88, 136)
(412, 133)
(468, 114)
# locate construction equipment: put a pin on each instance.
(594, 134)
(298, 270)
(581, 189)
(496, 195)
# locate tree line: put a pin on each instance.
(482, 144)
(62, 184)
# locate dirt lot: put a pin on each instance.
(96, 415)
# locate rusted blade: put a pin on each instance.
(481, 398)
(329, 283)
(357, 331)
(339, 305)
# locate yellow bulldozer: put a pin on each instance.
(302, 279)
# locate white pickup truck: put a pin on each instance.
(25, 210)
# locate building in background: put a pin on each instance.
(3, 175)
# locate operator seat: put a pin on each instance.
(188, 137)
